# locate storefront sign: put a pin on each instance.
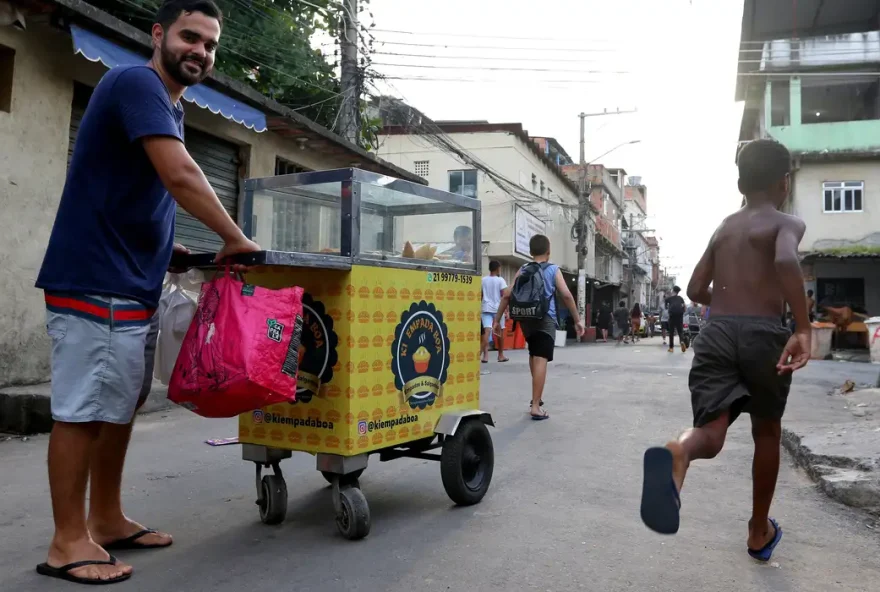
(526, 226)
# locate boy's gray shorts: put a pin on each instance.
(103, 350)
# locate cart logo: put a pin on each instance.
(258, 416)
(275, 331)
(317, 350)
(420, 355)
(362, 428)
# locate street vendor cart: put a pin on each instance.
(389, 355)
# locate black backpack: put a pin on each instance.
(676, 306)
(528, 298)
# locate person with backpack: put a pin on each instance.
(676, 307)
(532, 303)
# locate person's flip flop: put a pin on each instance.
(544, 415)
(485, 361)
(131, 543)
(504, 360)
(63, 572)
(661, 504)
(766, 552)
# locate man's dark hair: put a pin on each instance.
(171, 10)
(809, 293)
(762, 164)
(676, 289)
(462, 231)
(494, 265)
(539, 245)
(621, 304)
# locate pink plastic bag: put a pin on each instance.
(241, 352)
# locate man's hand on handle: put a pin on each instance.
(236, 246)
(179, 250)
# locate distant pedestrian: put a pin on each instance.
(636, 321)
(538, 326)
(604, 320)
(676, 308)
(494, 287)
(744, 360)
(664, 322)
(622, 320)
(811, 305)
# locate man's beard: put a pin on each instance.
(175, 67)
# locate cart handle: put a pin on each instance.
(206, 260)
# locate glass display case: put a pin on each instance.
(351, 216)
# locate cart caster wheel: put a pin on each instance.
(350, 479)
(353, 520)
(273, 506)
(467, 462)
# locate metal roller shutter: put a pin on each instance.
(219, 161)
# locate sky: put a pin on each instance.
(673, 61)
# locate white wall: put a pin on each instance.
(833, 230)
(507, 155)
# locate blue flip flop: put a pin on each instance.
(766, 552)
(661, 504)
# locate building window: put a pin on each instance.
(846, 196)
(841, 292)
(285, 167)
(422, 168)
(463, 183)
(7, 61)
(780, 102)
(829, 99)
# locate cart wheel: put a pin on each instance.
(353, 520)
(350, 479)
(273, 506)
(467, 462)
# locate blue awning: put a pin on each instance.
(97, 49)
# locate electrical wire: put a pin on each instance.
(500, 69)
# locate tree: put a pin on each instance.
(267, 45)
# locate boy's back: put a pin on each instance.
(744, 256)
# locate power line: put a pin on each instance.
(500, 69)
(574, 50)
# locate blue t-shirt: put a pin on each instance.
(114, 231)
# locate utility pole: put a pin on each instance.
(584, 215)
(348, 79)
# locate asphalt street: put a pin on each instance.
(562, 513)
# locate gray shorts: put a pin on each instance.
(734, 369)
(102, 357)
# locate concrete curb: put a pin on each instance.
(849, 481)
(25, 409)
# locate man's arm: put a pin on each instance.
(187, 184)
(788, 269)
(698, 289)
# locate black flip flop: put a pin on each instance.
(63, 572)
(544, 415)
(661, 504)
(131, 543)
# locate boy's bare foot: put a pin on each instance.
(128, 534)
(680, 463)
(64, 553)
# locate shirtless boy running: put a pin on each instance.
(744, 358)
